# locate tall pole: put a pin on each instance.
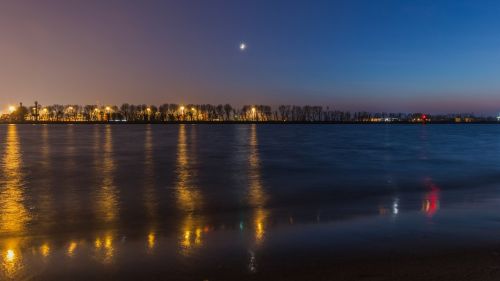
(36, 110)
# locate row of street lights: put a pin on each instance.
(108, 110)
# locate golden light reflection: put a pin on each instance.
(150, 196)
(45, 250)
(197, 237)
(151, 240)
(11, 260)
(107, 198)
(257, 196)
(260, 216)
(192, 234)
(45, 149)
(187, 239)
(45, 198)
(72, 199)
(104, 248)
(259, 233)
(71, 248)
(188, 197)
(98, 243)
(13, 214)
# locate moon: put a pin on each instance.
(243, 46)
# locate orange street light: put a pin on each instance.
(10, 256)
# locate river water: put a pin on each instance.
(213, 202)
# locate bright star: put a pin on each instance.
(243, 46)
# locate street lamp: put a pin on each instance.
(108, 112)
(253, 112)
(194, 113)
(182, 110)
(10, 256)
(96, 113)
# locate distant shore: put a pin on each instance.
(250, 122)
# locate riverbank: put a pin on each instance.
(245, 122)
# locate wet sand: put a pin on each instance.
(459, 264)
(467, 264)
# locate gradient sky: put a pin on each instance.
(432, 56)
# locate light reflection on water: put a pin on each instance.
(72, 247)
(105, 247)
(430, 204)
(177, 222)
(188, 195)
(257, 196)
(13, 213)
(45, 200)
(72, 201)
(150, 196)
(107, 196)
(12, 259)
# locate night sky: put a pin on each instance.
(375, 55)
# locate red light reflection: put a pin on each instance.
(430, 205)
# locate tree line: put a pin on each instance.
(171, 112)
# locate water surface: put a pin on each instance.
(212, 202)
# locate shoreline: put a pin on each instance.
(243, 122)
(479, 263)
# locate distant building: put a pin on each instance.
(376, 119)
(464, 119)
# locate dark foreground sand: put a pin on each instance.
(470, 264)
(479, 264)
